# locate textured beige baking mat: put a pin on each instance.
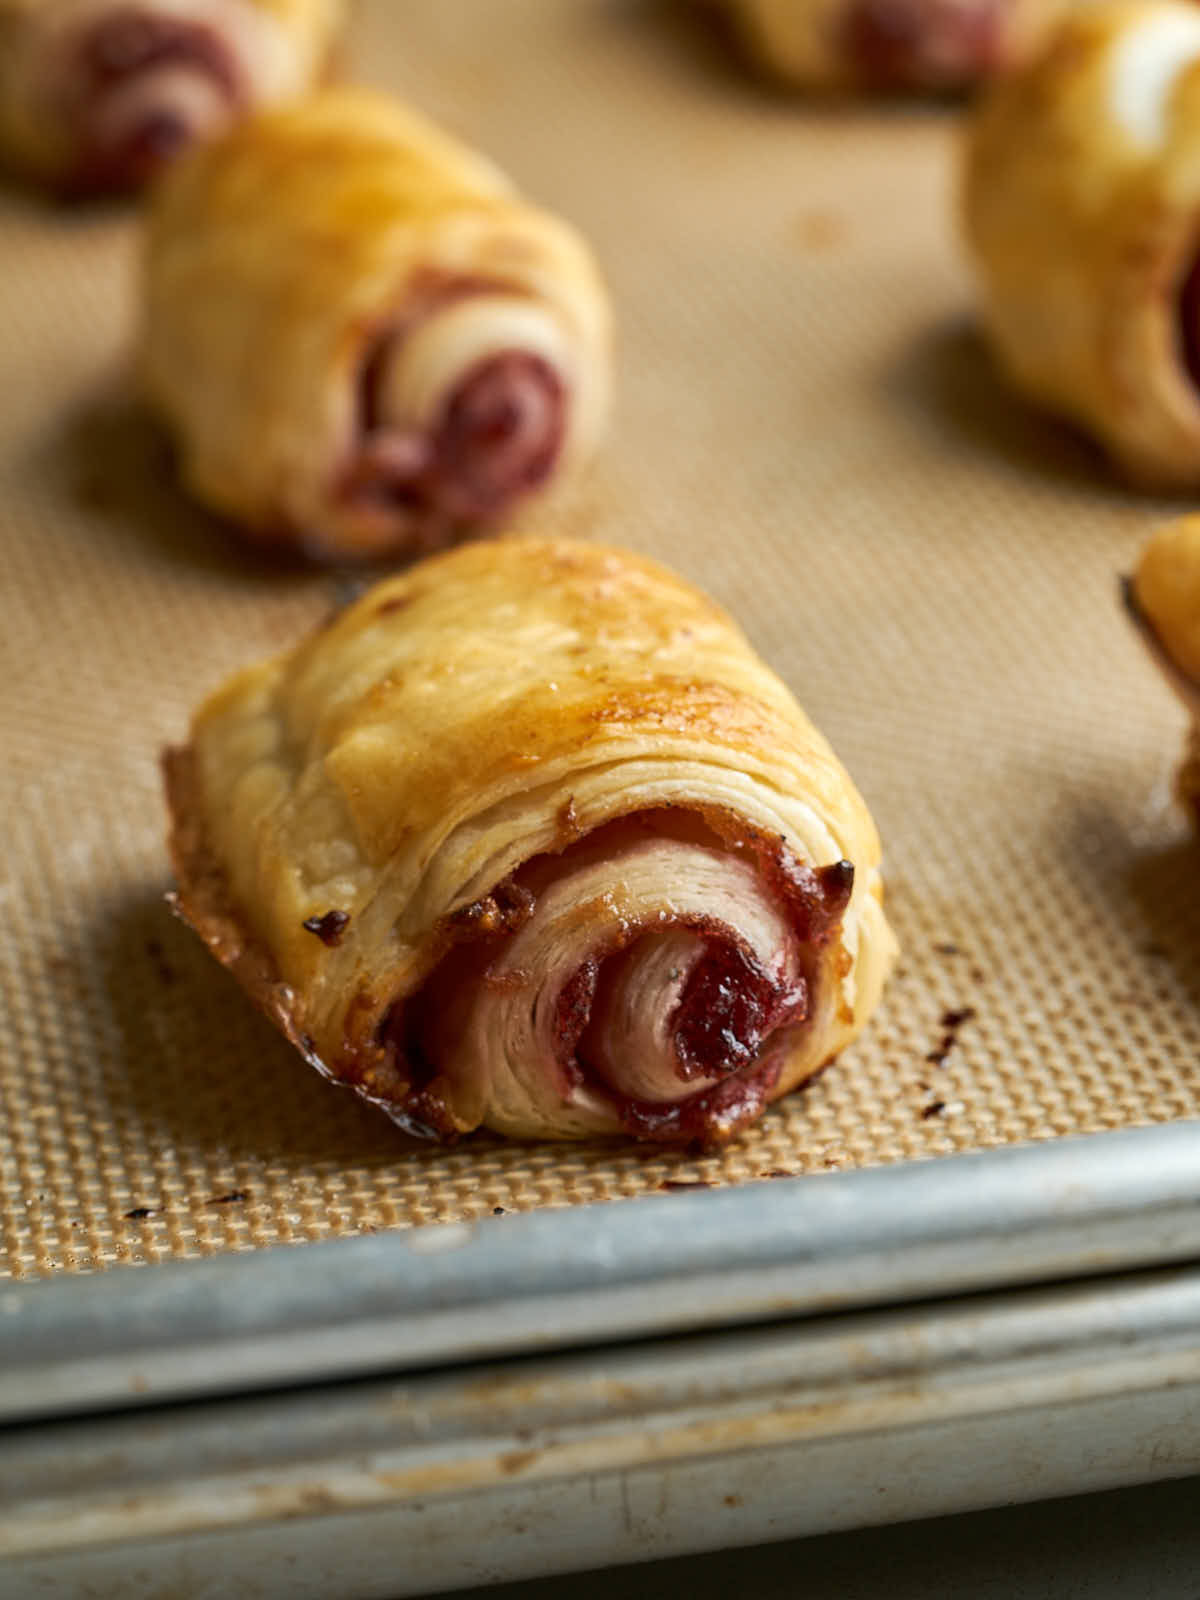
(808, 428)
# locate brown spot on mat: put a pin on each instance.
(952, 1021)
(821, 230)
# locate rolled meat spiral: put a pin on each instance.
(917, 45)
(102, 94)
(1081, 202)
(529, 839)
(365, 342)
(1164, 597)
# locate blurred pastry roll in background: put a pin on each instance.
(528, 838)
(363, 339)
(930, 45)
(101, 94)
(1164, 597)
(1082, 210)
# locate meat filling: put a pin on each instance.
(923, 43)
(497, 436)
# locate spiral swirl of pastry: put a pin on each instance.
(102, 94)
(529, 839)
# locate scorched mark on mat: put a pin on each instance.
(952, 1021)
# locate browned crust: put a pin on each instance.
(203, 900)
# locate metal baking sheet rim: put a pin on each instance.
(455, 1292)
(557, 1463)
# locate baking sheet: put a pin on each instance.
(423, 1483)
(807, 427)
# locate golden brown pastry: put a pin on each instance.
(931, 45)
(1081, 204)
(1164, 597)
(528, 838)
(364, 340)
(101, 94)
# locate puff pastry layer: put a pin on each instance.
(528, 838)
(891, 44)
(1082, 201)
(102, 94)
(1165, 599)
(364, 340)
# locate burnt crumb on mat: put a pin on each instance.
(952, 1021)
(499, 1211)
(330, 927)
(140, 1213)
(234, 1197)
(933, 1109)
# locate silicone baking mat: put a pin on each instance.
(808, 427)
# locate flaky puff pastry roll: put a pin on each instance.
(529, 839)
(882, 45)
(1082, 206)
(101, 94)
(1164, 598)
(365, 341)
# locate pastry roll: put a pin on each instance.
(1082, 207)
(529, 839)
(933, 45)
(100, 94)
(364, 340)
(1164, 598)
